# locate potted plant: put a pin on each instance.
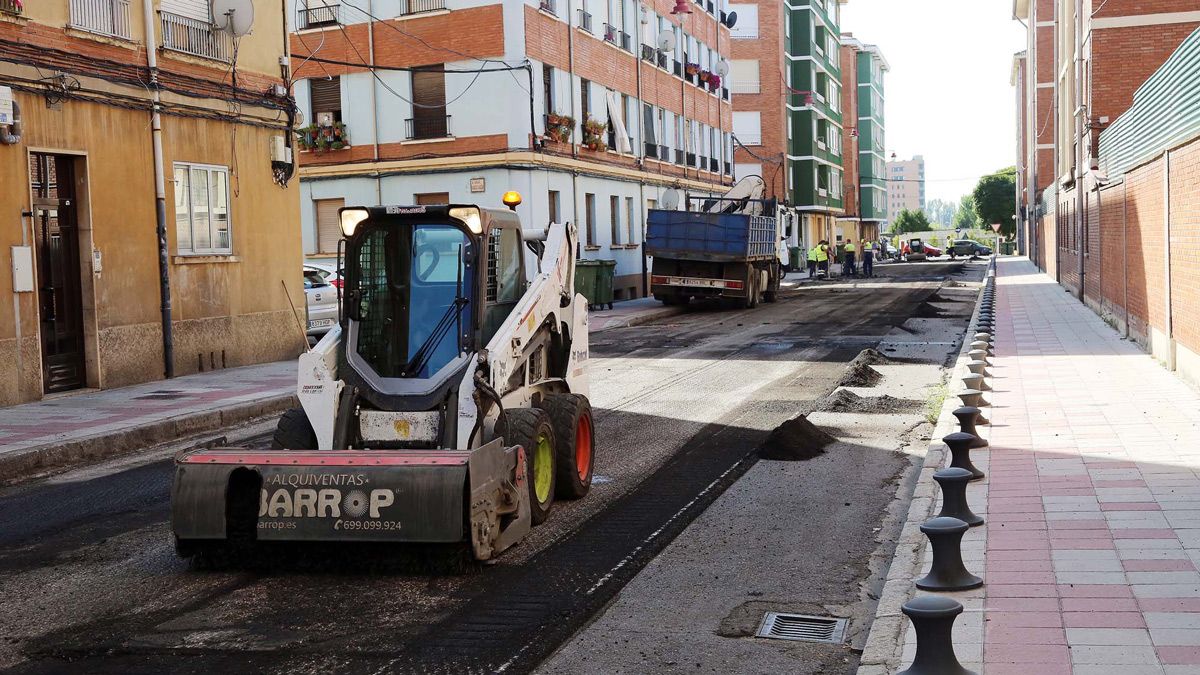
(593, 134)
(704, 75)
(560, 127)
(691, 68)
(318, 138)
(714, 82)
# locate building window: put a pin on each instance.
(187, 27)
(431, 198)
(747, 23)
(614, 219)
(589, 216)
(429, 118)
(202, 210)
(630, 217)
(329, 228)
(325, 96)
(747, 126)
(744, 76)
(585, 97)
(552, 202)
(547, 89)
(105, 17)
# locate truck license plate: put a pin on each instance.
(320, 323)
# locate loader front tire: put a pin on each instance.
(571, 415)
(532, 429)
(294, 432)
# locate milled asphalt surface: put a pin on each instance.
(92, 583)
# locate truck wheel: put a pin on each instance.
(751, 300)
(294, 432)
(531, 429)
(571, 415)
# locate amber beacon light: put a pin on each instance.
(511, 199)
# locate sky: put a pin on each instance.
(947, 96)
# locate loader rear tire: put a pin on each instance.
(294, 432)
(571, 415)
(532, 429)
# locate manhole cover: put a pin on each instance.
(782, 626)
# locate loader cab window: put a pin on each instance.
(505, 278)
(412, 297)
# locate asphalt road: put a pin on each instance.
(90, 581)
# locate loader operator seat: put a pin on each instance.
(506, 281)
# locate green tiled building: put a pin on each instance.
(870, 67)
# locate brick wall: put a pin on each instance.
(769, 102)
(850, 177)
(1124, 57)
(1185, 244)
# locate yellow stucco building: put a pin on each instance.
(81, 299)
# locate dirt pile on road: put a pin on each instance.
(844, 400)
(795, 440)
(860, 373)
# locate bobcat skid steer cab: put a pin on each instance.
(449, 404)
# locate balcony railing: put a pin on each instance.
(663, 152)
(652, 151)
(585, 20)
(318, 15)
(750, 139)
(702, 162)
(745, 86)
(183, 34)
(662, 60)
(648, 53)
(548, 6)
(679, 157)
(627, 42)
(420, 128)
(420, 6)
(10, 7)
(105, 17)
(713, 165)
(691, 159)
(611, 34)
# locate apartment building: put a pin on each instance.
(905, 185)
(591, 109)
(865, 192)
(145, 206)
(1107, 101)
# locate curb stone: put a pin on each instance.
(76, 452)
(883, 652)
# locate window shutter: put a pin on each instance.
(192, 9)
(329, 229)
(326, 96)
(429, 94)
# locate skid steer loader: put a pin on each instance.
(449, 404)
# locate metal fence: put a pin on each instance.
(418, 128)
(105, 17)
(198, 38)
(9, 7)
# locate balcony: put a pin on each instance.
(408, 7)
(549, 6)
(585, 20)
(103, 17)
(189, 36)
(426, 128)
(611, 34)
(10, 7)
(317, 16)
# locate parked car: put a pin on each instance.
(322, 299)
(916, 249)
(969, 247)
(889, 251)
(328, 273)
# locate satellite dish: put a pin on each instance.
(723, 68)
(235, 16)
(730, 19)
(670, 199)
(666, 41)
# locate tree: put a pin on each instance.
(941, 212)
(966, 218)
(995, 196)
(910, 221)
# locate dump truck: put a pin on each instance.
(725, 249)
(449, 404)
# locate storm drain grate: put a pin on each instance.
(801, 627)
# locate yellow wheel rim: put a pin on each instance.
(543, 471)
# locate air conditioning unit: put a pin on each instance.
(324, 119)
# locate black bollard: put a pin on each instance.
(953, 482)
(960, 452)
(967, 417)
(947, 573)
(932, 618)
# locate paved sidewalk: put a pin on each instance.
(1092, 499)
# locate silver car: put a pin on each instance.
(322, 302)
